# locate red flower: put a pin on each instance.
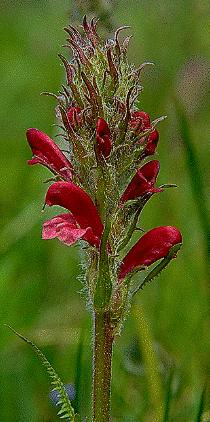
(151, 144)
(143, 182)
(140, 121)
(74, 116)
(47, 153)
(79, 203)
(65, 228)
(103, 138)
(152, 246)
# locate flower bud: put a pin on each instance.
(151, 144)
(152, 246)
(143, 182)
(140, 121)
(74, 116)
(103, 138)
(47, 153)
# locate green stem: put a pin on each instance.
(130, 231)
(102, 363)
(103, 288)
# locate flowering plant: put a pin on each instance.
(103, 181)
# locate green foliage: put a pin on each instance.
(196, 175)
(154, 384)
(168, 397)
(155, 272)
(66, 410)
(201, 405)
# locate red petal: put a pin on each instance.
(76, 200)
(151, 144)
(152, 246)
(103, 138)
(143, 182)
(47, 153)
(64, 227)
(102, 128)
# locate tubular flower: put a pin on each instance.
(47, 153)
(143, 182)
(152, 246)
(103, 138)
(79, 203)
(65, 228)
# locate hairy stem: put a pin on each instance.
(130, 231)
(102, 363)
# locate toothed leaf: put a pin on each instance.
(66, 410)
(160, 267)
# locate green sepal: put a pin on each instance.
(157, 270)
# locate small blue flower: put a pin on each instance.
(55, 396)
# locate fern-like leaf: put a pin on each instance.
(66, 411)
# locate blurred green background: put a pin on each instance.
(40, 282)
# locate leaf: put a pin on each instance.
(157, 270)
(168, 397)
(201, 405)
(146, 343)
(196, 174)
(66, 411)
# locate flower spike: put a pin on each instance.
(47, 153)
(103, 192)
(152, 246)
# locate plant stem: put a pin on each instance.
(102, 365)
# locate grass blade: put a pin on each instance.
(168, 397)
(195, 173)
(201, 405)
(150, 361)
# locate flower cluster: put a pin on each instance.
(102, 180)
